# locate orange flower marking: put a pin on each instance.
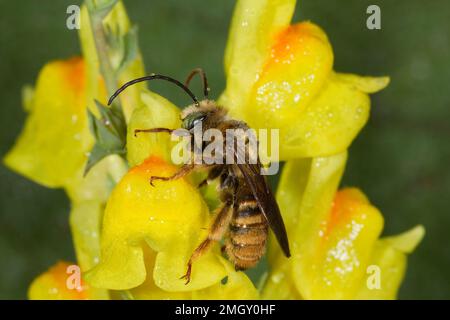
(151, 164)
(53, 284)
(72, 75)
(297, 66)
(74, 72)
(346, 204)
(293, 41)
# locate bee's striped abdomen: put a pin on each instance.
(246, 242)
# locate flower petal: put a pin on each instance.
(388, 262)
(85, 221)
(51, 152)
(340, 251)
(407, 241)
(279, 285)
(305, 194)
(237, 286)
(169, 218)
(149, 290)
(306, 191)
(255, 24)
(300, 61)
(330, 122)
(364, 84)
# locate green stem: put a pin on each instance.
(101, 46)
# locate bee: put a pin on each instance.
(248, 207)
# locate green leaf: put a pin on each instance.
(112, 118)
(109, 131)
(130, 48)
(96, 154)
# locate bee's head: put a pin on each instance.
(207, 113)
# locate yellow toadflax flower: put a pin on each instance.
(280, 76)
(336, 250)
(55, 137)
(149, 234)
(53, 147)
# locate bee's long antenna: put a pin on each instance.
(153, 77)
(202, 74)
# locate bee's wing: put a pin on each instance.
(265, 198)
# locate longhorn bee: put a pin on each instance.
(248, 207)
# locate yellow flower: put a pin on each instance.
(334, 239)
(149, 234)
(53, 146)
(280, 76)
(55, 137)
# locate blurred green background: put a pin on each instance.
(400, 160)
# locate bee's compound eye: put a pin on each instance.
(193, 119)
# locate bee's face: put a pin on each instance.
(192, 119)
(208, 114)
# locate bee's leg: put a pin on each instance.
(214, 173)
(204, 80)
(218, 228)
(184, 170)
(153, 130)
(203, 183)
